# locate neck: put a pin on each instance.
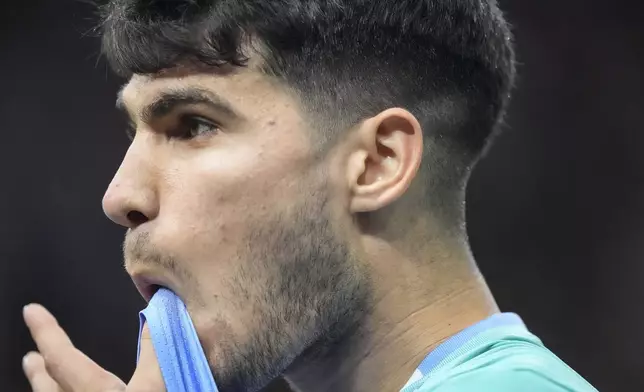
(411, 316)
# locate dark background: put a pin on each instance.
(555, 210)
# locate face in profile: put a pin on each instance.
(228, 203)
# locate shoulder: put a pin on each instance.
(526, 369)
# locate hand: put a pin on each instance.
(58, 366)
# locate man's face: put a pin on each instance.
(227, 204)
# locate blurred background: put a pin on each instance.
(556, 209)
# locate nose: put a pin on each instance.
(131, 199)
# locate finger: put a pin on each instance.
(34, 367)
(147, 376)
(69, 367)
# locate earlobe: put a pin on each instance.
(386, 163)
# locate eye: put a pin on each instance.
(191, 127)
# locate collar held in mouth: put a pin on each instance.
(181, 358)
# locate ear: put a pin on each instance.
(386, 160)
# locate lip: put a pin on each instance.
(148, 282)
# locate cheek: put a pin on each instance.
(208, 199)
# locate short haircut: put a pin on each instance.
(451, 63)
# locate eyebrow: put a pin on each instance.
(168, 101)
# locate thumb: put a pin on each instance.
(147, 376)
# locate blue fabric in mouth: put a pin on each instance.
(181, 358)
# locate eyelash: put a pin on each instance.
(188, 123)
(130, 131)
(183, 131)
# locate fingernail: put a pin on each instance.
(25, 361)
(25, 310)
(29, 314)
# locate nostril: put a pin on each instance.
(136, 218)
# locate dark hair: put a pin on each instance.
(449, 62)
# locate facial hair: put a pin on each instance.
(298, 277)
(307, 291)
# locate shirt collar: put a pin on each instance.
(456, 341)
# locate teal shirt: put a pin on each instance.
(498, 354)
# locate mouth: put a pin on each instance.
(148, 283)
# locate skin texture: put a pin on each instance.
(290, 261)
